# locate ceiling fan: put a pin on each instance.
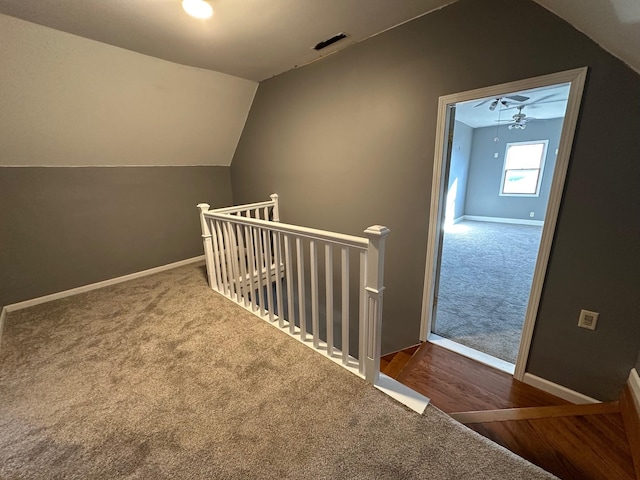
(503, 101)
(519, 120)
(540, 101)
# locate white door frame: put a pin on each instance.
(576, 78)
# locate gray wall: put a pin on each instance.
(68, 101)
(485, 171)
(67, 227)
(348, 142)
(459, 169)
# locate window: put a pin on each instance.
(522, 171)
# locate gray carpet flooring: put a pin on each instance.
(486, 274)
(162, 378)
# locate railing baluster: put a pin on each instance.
(278, 268)
(223, 263)
(313, 260)
(328, 261)
(302, 315)
(345, 305)
(229, 252)
(288, 259)
(241, 259)
(236, 261)
(260, 262)
(244, 252)
(361, 312)
(216, 257)
(251, 267)
(266, 242)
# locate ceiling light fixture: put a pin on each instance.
(197, 8)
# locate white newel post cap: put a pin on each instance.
(204, 206)
(377, 231)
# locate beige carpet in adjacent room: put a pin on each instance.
(162, 378)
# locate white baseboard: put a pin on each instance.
(3, 315)
(634, 387)
(557, 390)
(515, 221)
(95, 286)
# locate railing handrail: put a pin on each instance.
(240, 248)
(242, 208)
(311, 233)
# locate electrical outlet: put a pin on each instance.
(588, 319)
(531, 214)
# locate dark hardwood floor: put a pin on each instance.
(573, 442)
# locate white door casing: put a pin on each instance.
(576, 78)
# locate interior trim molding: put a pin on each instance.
(513, 221)
(401, 393)
(3, 315)
(576, 78)
(472, 353)
(94, 286)
(630, 409)
(557, 390)
(634, 387)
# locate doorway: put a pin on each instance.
(499, 168)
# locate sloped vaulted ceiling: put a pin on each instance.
(614, 24)
(256, 40)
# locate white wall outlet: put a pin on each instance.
(588, 319)
(532, 214)
(495, 155)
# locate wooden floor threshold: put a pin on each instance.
(529, 413)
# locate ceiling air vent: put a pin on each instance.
(330, 41)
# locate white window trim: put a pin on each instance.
(542, 164)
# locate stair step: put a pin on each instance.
(394, 363)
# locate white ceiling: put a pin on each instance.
(257, 39)
(542, 104)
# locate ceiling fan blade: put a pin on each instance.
(542, 99)
(517, 98)
(483, 102)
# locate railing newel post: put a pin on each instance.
(276, 207)
(374, 288)
(206, 240)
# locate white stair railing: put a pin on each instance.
(274, 270)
